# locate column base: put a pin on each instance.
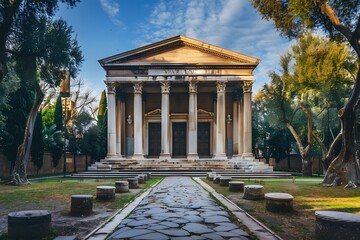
(165, 156)
(192, 156)
(138, 156)
(248, 155)
(114, 157)
(220, 156)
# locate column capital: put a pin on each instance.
(165, 87)
(247, 86)
(138, 86)
(220, 86)
(192, 87)
(111, 88)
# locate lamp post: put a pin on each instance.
(65, 118)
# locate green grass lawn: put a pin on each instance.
(54, 195)
(60, 191)
(309, 196)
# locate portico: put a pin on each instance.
(179, 98)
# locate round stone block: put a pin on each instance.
(145, 176)
(224, 181)
(81, 204)
(105, 192)
(31, 224)
(236, 186)
(337, 225)
(254, 192)
(279, 202)
(141, 178)
(209, 176)
(217, 179)
(121, 186)
(133, 183)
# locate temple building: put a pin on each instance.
(179, 98)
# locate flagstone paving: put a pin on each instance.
(178, 208)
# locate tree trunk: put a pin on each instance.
(345, 168)
(18, 175)
(307, 167)
(74, 163)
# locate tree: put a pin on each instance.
(304, 87)
(102, 124)
(10, 10)
(48, 114)
(37, 146)
(57, 145)
(341, 21)
(9, 85)
(42, 49)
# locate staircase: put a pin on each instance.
(203, 165)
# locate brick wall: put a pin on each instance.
(47, 167)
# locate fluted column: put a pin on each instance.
(235, 125)
(247, 121)
(221, 122)
(165, 120)
(111, 121)
(241, 125)
(119, 119)
(138, 134)
(192, 132)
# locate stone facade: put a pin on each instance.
(179, 98)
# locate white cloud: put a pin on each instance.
(112, 9)
(230, 24)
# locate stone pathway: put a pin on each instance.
(178, 208)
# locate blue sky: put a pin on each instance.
(107, 27)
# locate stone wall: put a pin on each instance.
(47, 167)
(295, 164)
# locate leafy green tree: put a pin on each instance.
(11, 11)
(102, 124)
(48, 115)
(42, 49)
(341, 21)
(89, 144)
(10, 84)
(37, 146)
(53, 138)
(303, 87)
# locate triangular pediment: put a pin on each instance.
(154, 113)
(179, 50)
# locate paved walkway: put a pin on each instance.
(178, 208)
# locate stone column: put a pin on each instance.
(138, 134)
(192, 132)
(241, 125)
(119, 119)
(235, 124)
(214, 125)
(247, 139)
(220, 122)
(165, 120)
(111, 121)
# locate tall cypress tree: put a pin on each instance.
(102, 124)
(37, 145)
(58, 146)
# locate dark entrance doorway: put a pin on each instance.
(154, 139)
(179, 139)
(203, 139)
